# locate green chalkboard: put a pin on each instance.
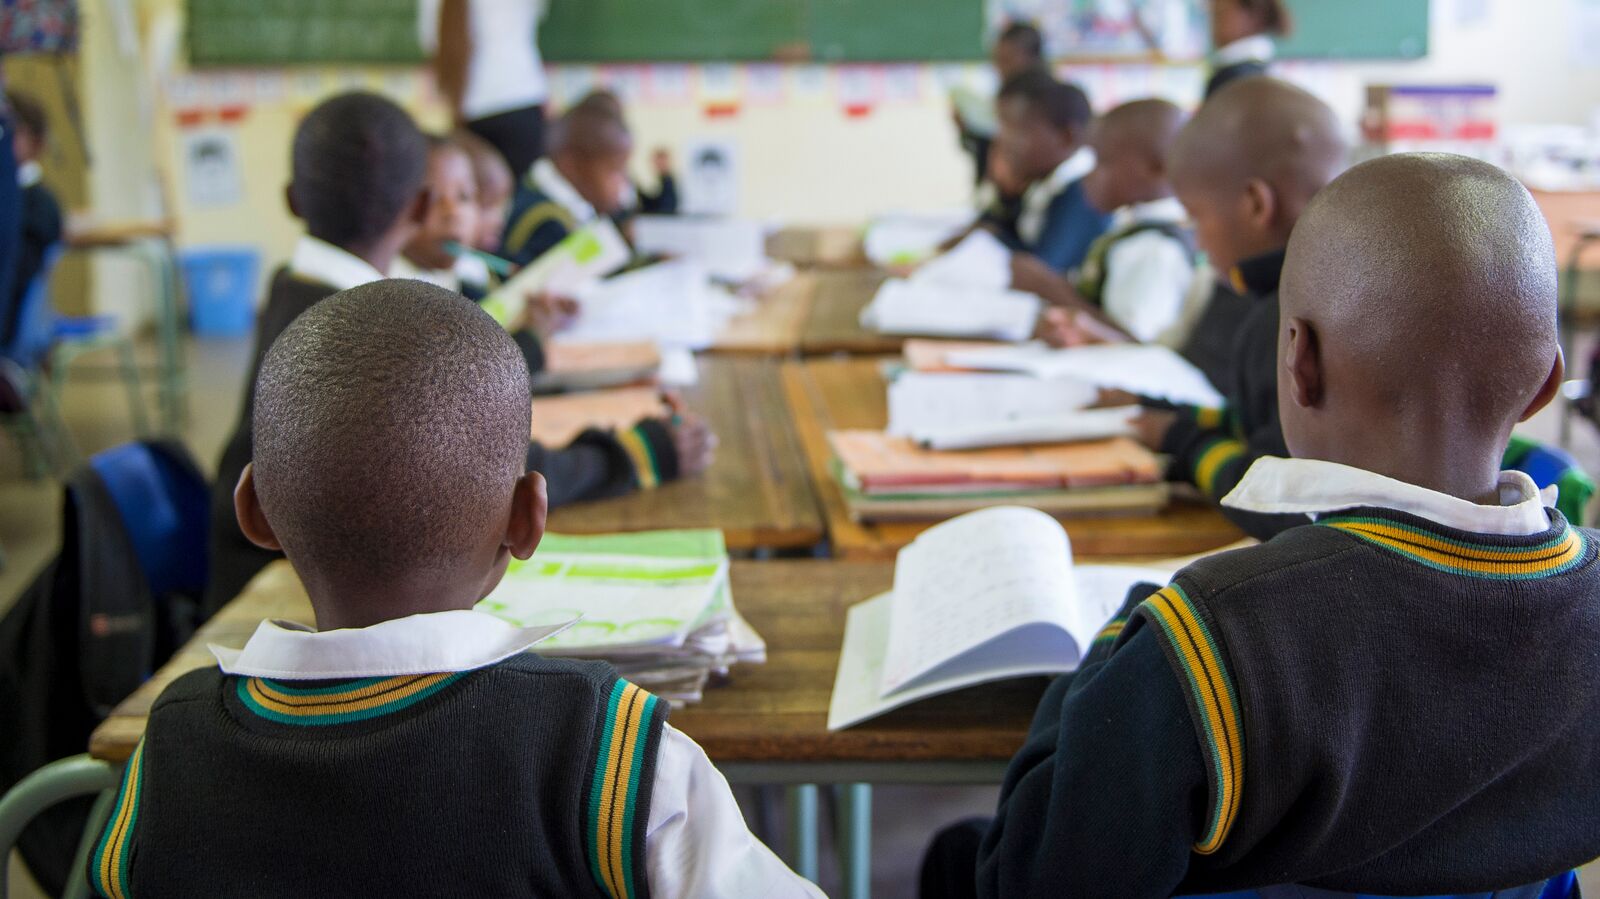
(1357, 29)
(295, 32)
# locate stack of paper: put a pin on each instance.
(674, 304)
(655, 604)
(979, 260)
(969, 411)
(731, 250)
(558, 420)
(941, 310)
(984, 597)
(1141, 369)
(591, 366)
(889, 478)
(908, 239)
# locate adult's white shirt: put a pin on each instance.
(505, 71)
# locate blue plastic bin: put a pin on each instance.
(221, 283)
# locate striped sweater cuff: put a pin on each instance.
(649, 445)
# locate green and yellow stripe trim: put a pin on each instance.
(1111, 631)
(614, 794)
(109, 866)
(644, 458)
(1215, 703)
(1218, 454)
(342, 703)
(532, 219)
(1209, 419)
(1561, 552)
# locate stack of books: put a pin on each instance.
(892, 478)
(654, 604)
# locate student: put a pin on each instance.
(1242, 33)
(584, 177)
(41, 214)
(358, 181)
(1137, 275)
(1245, 167)
(1016, 49)
(493, 183)
(452, 218)
(1043, 124)
(1399, 699)
(410, 746)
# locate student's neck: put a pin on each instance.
(339, 605)
(1455, 468)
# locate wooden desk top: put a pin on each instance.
(775, 712)
(757, 491)
(824, 246)
(835, 322)
(774, 325)
(830, 394)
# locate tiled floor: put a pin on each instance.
(96, 412)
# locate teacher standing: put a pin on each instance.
(486, 61)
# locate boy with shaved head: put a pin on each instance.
(584, 178)
(1245, 167)
(1399, 699)
(409, 746)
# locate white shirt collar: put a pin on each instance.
(29, 173)
(1166, 209)
(1037, 198)
(320, 261)
(459, 640)
(1256, 47)
(555, 185)
(1314, 487)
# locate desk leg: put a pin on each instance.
(855, 839)
(803, 830)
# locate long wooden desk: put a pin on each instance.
(830, 394)
(775, 323)
(768, 720)
(757, 491)
(834, 325)
(818, 246)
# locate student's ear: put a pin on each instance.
(1547, 390)
(530, 505)
(247, 508)
(1260, 204)
(1303, 364)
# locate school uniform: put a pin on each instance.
(545, 209)
(1241, 59)
(1397, 700)
(1140, 271)
(1213, 448)
(1056, 222)
(596, 464)
(41, 224)
(423, 756)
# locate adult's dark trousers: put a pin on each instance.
(517, 134)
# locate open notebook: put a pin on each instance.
(984, 597)
(1144, 369)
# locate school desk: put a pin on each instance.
(773, 324)
(831, 394)
(767, 724)
(834, 325)
(825, 246)
(757, 490)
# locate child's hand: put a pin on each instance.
(1151, 427)
(695, 442)
(1059, 328)
(547, 314)
(661, 161)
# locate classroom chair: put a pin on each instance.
(43, 790)
(1550, 465)
(29, 414)
(117, 601)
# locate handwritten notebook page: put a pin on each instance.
(967, 581)
(557, 420)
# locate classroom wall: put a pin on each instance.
(816, 144)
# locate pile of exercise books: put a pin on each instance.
(655, 604)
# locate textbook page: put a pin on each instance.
(585, 255)
(979, 260)
(920, 402)
(1101, 590)
(972, 579)
(941, 310)
(1144, 369)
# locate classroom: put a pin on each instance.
(726, 448)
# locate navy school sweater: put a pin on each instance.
(1071, 224)
(1373, 704)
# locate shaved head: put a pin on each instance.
(1147, 127)
(1428, 284)
(592, 129)
(1261, 128)
(1130, 144)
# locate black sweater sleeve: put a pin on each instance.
(600, 464)
(1110, 783)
